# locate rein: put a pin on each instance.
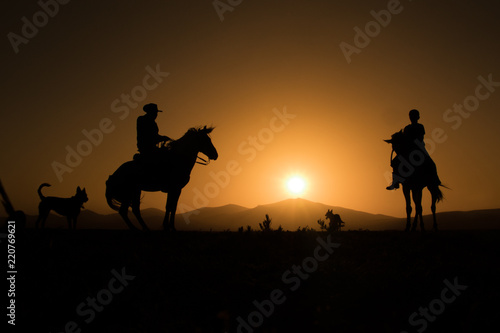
(205, 162)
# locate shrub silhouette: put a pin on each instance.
(322, 225)
(266, 224)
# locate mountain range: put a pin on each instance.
(290, 214)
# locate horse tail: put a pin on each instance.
(40, 190)
(437, 193)
(110, 196)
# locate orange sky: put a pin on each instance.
(237, 74)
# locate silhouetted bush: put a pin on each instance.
(266, 224)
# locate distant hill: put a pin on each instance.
(290, 214)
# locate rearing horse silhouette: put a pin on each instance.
(169, 174)
(420, 172)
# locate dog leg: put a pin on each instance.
(43, 212)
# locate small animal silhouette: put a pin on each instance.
(69, 207)
(336, 222)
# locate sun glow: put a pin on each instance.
(296, 185)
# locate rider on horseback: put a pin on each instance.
(414, 133)
(147, 131)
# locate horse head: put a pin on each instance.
(205, 143)
(398, 141)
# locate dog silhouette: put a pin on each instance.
(69, 207)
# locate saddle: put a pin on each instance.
(156, 169)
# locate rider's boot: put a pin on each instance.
(394, 185)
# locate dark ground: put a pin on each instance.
(202, 282)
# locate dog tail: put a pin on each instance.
(112, 202)
(40, 190)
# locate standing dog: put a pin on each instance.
(69, 207)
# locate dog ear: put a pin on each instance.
(78, 189)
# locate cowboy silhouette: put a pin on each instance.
(415, 133)
(147, 131)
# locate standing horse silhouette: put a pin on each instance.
(416, 170)
(169, 172)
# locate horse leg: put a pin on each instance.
(171, 207)
(417, 199)
(165, 219)
(406, 192)
(433, 209)
(124, 214)
(167, 214)
(136, 209)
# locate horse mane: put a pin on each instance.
(403, 143)
(189, 133)
(204, 129)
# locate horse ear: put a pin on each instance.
(388, 141)
(78, 189)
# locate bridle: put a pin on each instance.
(204, 161)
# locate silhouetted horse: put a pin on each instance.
(415, 170)
(169, 171)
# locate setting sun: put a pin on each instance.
(296, 185)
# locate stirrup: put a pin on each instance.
(393, 186)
